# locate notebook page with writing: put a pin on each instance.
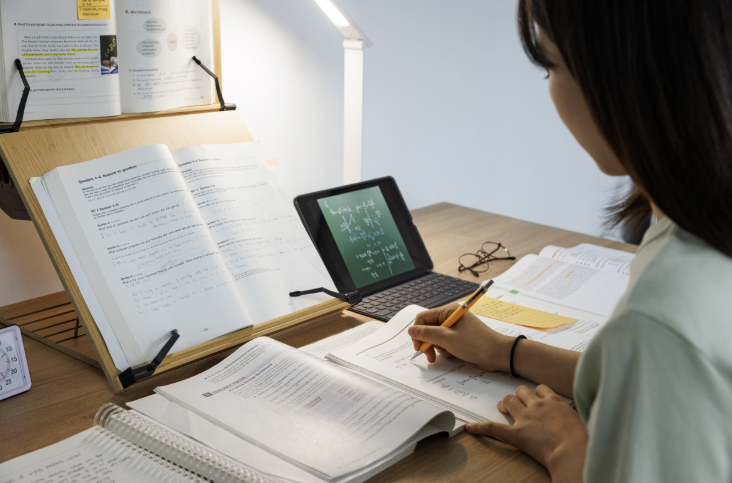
(126, 447)
(317, 416)
(146, 251)
(84, 457)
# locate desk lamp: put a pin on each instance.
(352, 88)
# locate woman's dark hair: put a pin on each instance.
(657, 76)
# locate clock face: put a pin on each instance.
(14, 377)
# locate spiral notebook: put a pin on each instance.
(123, 446)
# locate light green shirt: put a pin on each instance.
(654, 387)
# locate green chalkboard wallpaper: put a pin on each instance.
(366, 235)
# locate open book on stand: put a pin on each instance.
(127, 57)
(199, 240)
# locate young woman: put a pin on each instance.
(646, 88)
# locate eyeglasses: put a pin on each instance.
(477, 263)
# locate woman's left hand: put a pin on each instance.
(546, 428)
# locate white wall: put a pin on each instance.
(453, 110)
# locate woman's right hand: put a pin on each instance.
(469, 339)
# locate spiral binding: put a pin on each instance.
(185, 458)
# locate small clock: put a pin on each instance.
(14, 374)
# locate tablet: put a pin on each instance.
(365, 235)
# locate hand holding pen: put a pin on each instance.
(469, 339)
(450, 321)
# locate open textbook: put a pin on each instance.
(199, 239)
(134, 56)
(322, 418)
(586, 277)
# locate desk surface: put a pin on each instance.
(66, 393)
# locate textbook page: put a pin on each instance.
(320, 417)
(82, 281)
(146, 251)
(63, 59)
(157, 42)
(592, 256)
(580, 287)
(257, 231)
(459, 386)
(88, 457)
(189, 423)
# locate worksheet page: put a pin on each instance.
(320, 417)
(458, 385)
(157, 42)
(146, 250)
(256, 229)
(333, 343)
(63, 59)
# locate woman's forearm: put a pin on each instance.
(543, 364)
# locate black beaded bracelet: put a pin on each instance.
(513, 349)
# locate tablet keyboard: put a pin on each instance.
(430, 291)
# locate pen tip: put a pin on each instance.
(415, 355)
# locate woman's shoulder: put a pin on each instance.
(686, 288)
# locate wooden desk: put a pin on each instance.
(66, 392)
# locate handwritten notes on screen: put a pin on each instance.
(366, 235)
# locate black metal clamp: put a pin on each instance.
(351, 297)
(10, 200)
(224, 106)
(134, 374)
(6, 128)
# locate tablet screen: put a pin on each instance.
(366, 235)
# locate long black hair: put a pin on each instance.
(657, 76)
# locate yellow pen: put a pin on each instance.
(450, 321)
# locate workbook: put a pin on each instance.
(104, 57)
(218, 438)
(317, 416)
(199, 239)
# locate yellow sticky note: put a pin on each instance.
(516, 314)
(93, 9)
